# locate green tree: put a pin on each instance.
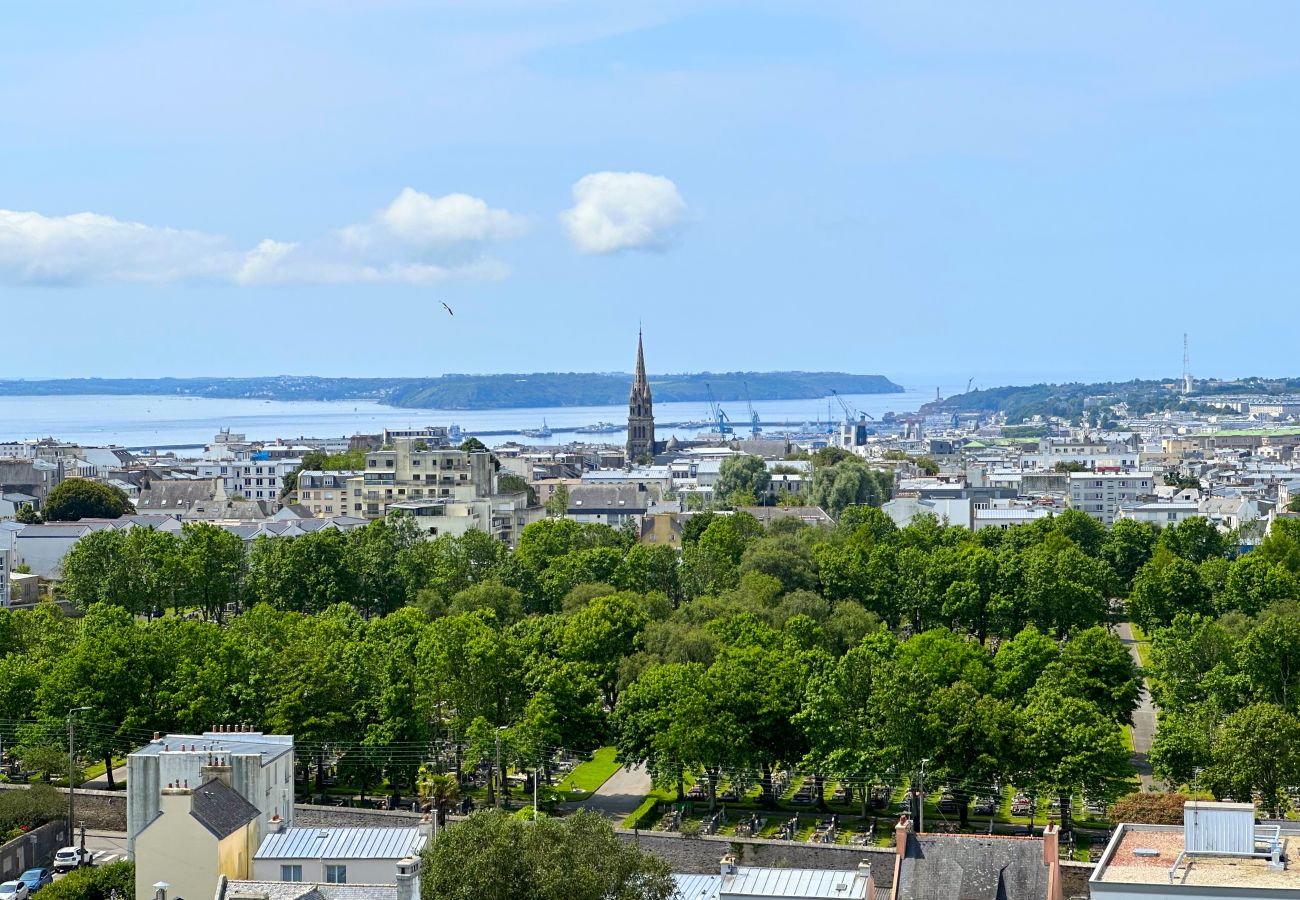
(74, 499)
(1127, 547)
(26, 515)
(510, 483)
(211, 567)
(1071, 745)
(1164, 588)
(558, 503)
(742, 474)
(97, 883)
(1196, 539)
(1256, 750)
(494, 856)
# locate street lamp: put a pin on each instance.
(72, 780)
(502, 799)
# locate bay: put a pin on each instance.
(164, 421)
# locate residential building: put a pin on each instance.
(951, 511)
(1101, 494)
(407, 472)
(809, 515)
(609, 504)
(736, 882)
(1084, 451)
(326, 493)
(197, 835)
(32, 477)
(1218, 853)
(336, 855)
(1162, 514)
(258, 766)
(975, 867)
(640, 412)
(503, 516)
(253, 479)
(662, 528)
(404, 885)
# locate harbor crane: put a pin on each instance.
(721, 423)
(755, 427)
(851, 415)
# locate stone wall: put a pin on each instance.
(701, 855)
(35, 848)
(100, 810)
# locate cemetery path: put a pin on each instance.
(621, 793)
(1144, 717)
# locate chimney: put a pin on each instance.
(215, 772)
(275, 824)
(408, 878)
(728, 865)
(1051, 844)
(901, 831)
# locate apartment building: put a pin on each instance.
(328, 493)
(253, 479)
(413, 471)
(1101, 494)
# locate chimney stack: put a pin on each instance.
(408, 878)
(728, 865)
(901, 831)
(1051, 844)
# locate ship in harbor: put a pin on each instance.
(599, 428)
(543, 432)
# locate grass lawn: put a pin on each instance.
(585, 778)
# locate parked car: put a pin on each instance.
(13, 890)
(70, 857)
(35, 879)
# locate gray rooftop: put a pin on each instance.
(220, 809)
(762, 882)
(342, 843)
(236, 743)
(285, 890)
(968, 867)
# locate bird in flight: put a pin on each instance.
(448, 308)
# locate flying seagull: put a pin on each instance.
(448, 308)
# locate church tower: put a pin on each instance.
(640, 412)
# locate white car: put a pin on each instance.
(69, 857)
(13, 890)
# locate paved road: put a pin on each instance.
(1144, 718)
(100, 783)
(619, 796)
(107, 846)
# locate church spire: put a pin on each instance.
(640, 410)
(639, 379)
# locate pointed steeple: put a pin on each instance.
(640, 410)
(639, 379)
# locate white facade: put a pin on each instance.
(1162, 514)
(255, 479)
(1101, 494)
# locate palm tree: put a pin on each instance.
(440, 792)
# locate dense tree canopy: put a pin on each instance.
(74, 499)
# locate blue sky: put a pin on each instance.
(930, 191)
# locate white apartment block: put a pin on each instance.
(253, 479)
(1101, 494)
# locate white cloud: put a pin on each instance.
(89, 247)
(616, 211)
(417, 239)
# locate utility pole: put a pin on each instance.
(920, 801)
(537, 777)
(72, 768)
(499, 775)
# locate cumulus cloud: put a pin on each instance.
(417, 239)
(616, 211)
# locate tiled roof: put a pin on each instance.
(220, 809)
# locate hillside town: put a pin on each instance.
(631, 540)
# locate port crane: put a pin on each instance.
(721, 424)
(755, 427)
(851, 415)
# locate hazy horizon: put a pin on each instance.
(1013, 192)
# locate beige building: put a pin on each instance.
(198, 835)
(328, 493)
(407, 473)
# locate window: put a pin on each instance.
(336, 874)
(388, 463)
(290, 873)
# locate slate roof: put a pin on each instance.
(969, 867)
(220, 809)
(285, 890)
